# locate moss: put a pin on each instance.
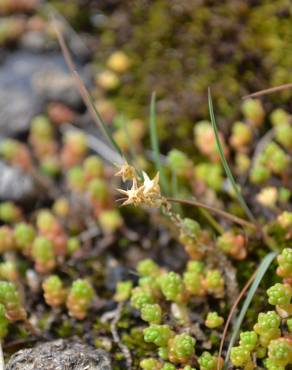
(199, 47)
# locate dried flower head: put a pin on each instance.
(151, 190)
(146, 193)
(134, 195)
(127, 172)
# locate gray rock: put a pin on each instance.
(79, 49)
(15, 185)
(34, 41)
(18, 102)
(17, 108)
(53, 84)
(29, 80)
(60, 355)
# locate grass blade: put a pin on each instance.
(175, 191)
(224, 161)
(87, 98)
(262, 269)
(155, 143)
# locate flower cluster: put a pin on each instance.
(272, 160)
(233, 245)
(16, 153)
(280, 229)
(10, 300)
(141, 193)
(205, 141)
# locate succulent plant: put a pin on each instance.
(79, 298)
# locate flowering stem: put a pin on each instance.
(229, 216)
(268, 91)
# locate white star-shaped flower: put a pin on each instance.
(151, 186)
(134, 195)
(127, 172)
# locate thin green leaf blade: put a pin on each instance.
(155, 144)
(262, 269)
(224, 161)
(175, 191)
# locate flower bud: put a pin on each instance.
(123, 291)
(9, 212)
(206, 142)
(241, 135)
(43, 254)
(54, 292)
(7, 241)
(24, 235)
(253, 112)
(268, 197)
(75, 179)
(213, 320)
(232, 244)
(10, 299)
(93, 167)
(118, 62)
(279, 117)
(3, 322)
(107, 80)
(60, 113)
(181, 348)
(259, 174)
(110, 221)
(73, 245)
(79, 299)
(214, 283)
(61, 207)
(172, 286)
(179, 163)
(8, 271)
(283, 134)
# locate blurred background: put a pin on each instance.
(127, 49)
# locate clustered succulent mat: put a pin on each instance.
(132, 258)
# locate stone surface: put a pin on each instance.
(17, 108)
(27, 82)
(53, 84)
(15, 185)
(34, 41)
(60, 355)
